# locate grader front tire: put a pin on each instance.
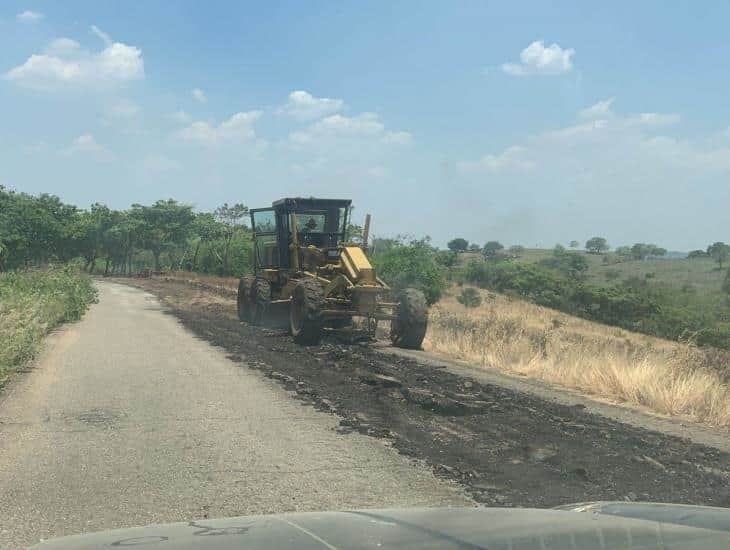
(408, 329)
(305, 310)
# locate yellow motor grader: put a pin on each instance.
(303, 264)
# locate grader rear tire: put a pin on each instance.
(408, 329)
(261, 298)
(305, 319)
(243, 299)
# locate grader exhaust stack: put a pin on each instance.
(303, 266)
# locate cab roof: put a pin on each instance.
(310, 202)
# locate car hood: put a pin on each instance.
(588, 525)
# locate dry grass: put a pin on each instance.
(518, 337)
(212, 282)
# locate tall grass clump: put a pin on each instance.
(32, 302)
(522, 338)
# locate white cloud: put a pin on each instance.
(304, 106)
(397, 138)
(237, 128)
(65, 64)
(181, 117)
(512, 159)
(339, 127)
(62, 47)
(537, 59)
(655, 119)
(199, 95)
(600, 110)
(29, 16)
(86, 144)
(101, 34)
(601, 132)
(123, 109)
(160, 164)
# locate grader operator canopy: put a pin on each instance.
(303, 264)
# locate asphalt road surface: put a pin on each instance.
(129, 419)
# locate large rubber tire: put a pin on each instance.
(408, 329)
(261, 295)
(305, 320)
(243, 299)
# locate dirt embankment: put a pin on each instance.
(507, 448)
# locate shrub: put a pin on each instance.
(412, 265)
(469, 297)
(32, 303)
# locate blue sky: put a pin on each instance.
(534, 124)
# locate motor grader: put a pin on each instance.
(304, 270)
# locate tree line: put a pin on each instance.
(39, 229)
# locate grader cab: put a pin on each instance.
(305, 269)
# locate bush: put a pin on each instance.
(412, 265)
(34, 302)
(633, 304)
(469, 297)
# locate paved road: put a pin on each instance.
(129, 419)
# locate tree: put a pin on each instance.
(474, 247)
(458, 244)
(412, 265)
(574, 244)
(516, 250)
(232, 218)
(597, 245)
(694, 254)
(719, 251)
(558, 249)
(165, 225)
(726, 283)
(492, 248)
(623, 252)
(446, 258)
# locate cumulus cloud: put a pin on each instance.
(29, 16)
(304, 106)
(541, 60)
(630, 175)
(64, 64)
(87, 145)
(199, 95)
(339, 127)
(599, 110)
(123, 109)
(237, 128)
(181, 117)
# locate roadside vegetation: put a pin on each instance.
(32, 302)
(525, 339)
(491, 304)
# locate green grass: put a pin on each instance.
(33, 302)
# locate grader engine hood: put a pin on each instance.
(356, 266)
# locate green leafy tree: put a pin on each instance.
(232, 219)
(474, 247)
(597, 245)
(574, 244)
(492, 248)
(446, 258)
(719, 251)
(623, 252)
(458, 245)
(165, 225)
(412, 265)
(516, 250)
(694, 254)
